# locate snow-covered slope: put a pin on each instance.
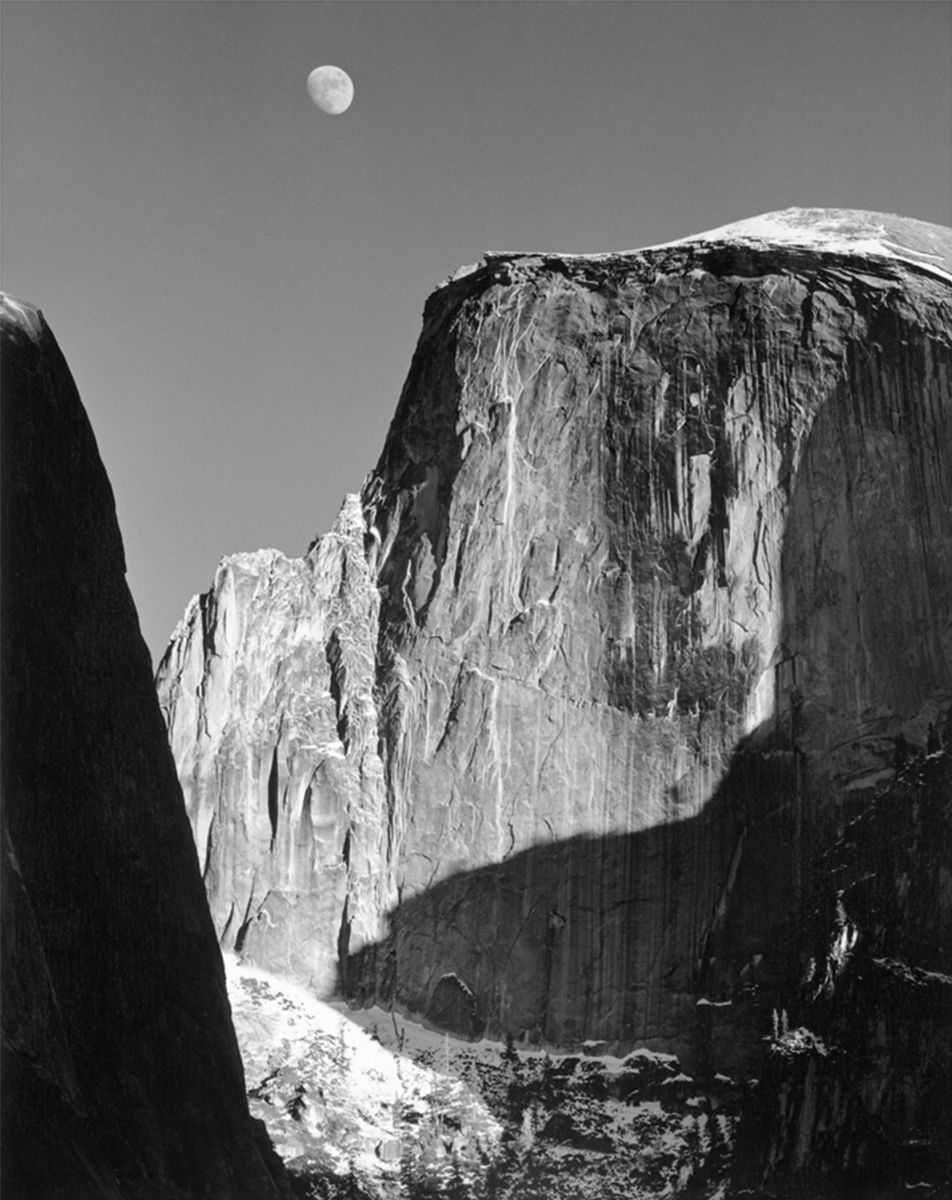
(840, 231)
(850, 232)
(342, 1098)
(367, 1104)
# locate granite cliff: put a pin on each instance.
(549, 734)
(121, 1073)
(853, 1097)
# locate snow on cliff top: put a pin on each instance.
(18, 314)
(839, 231)
(844, 231)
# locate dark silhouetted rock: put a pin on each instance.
(854, 1093)
(121, 1074)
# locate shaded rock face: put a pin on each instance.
(855, 1087)
(648, 576)
(121, 1075)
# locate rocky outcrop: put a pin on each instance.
(269, 695)
(648, 576)
(121, 1075)
(854, 1093)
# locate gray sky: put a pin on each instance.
(237, 279)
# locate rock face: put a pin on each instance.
(545, 735)
(269, 693)
(121, 1075)
(854, 1093)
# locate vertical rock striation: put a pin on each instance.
(543, 736)
(121, 1074)
(269, 696)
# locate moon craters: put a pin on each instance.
(331, 89)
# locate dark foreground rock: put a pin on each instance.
(121, 1074)
(854, 1098)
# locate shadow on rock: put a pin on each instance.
(678, 936)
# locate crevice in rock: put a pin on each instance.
(273, 797)
(209, 845)
(343, 946)
(224, 932)
(246, 919)
(338, 684)
(460, 554)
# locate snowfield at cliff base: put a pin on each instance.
(366, 1096)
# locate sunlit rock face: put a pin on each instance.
(648, 576)
(268, 688)
(121, 1074)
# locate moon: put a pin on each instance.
(331, 89)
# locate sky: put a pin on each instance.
(237, 279)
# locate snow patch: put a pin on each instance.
(18, 312)
(850, 232)
(834, 231)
